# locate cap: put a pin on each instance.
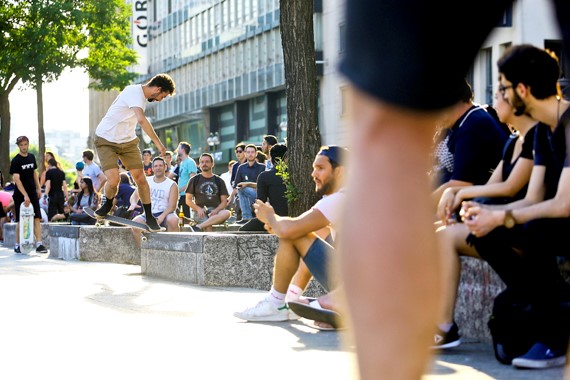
(336, 154)
(79, 165)
(22, 138)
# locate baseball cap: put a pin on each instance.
(334, 153)
(79, 165)
(22, 138)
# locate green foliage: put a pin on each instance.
(67, 166)
(291, 192)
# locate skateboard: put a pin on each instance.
(117, 219)
(26, 228)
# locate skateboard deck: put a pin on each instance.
(116, 219)
(26, 228)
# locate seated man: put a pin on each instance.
(298, 238)
(164, 199)
(245, 183)
(270, 188)
(207, 196)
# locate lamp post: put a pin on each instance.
(213, 141)
(283, 130)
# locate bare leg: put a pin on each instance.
(220, 217)
(452, 245)
(37, 229)
(388, 251)
(112, 184)
(142, 185)
(287, 260)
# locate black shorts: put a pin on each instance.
(19, 199)
(404, 51)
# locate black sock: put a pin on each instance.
(109, 200)
(147, 209)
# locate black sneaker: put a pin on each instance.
(17, 250)
(196, 229)
(540, 356)
(242, 221)
(104, 209)
(41, 249)
(448, 339)
(153, 224)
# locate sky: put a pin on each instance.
(66, 107)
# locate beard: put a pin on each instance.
(326, 188)
(519, 106)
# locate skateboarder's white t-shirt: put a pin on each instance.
(330, 206)
(159, 194)
(119, 123)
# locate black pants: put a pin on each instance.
(525, 258)
(55, 204)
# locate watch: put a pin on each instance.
(509, 220)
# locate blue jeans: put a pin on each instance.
(247, 197)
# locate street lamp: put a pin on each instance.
(213, 140)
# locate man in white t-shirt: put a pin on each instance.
(304, 242)
(115, 137)
(164, 196)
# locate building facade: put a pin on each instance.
(227, 61)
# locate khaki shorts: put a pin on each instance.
(110, 152)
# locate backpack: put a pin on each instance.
(510, 326)
(513, 325)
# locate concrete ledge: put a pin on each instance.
(9, 231)
(214, 259)
(90, 243)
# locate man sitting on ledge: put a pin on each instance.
(207, 196)
(302, 238)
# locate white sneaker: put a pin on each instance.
(264, 311)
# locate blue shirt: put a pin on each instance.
(187, 167)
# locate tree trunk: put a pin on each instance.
(41, 133)
(5, 135)
(303, 135)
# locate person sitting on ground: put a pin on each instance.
(207, 196)
(299, 240)
(64, 216)
(88, 197)
(123, 198)
(147, 162)
(164, 200)
(79, 165)
(507, 183)
(6, 206)
(268, 142)
(227, 176)
(270, 188)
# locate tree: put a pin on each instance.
(60, 31)
(303, 134)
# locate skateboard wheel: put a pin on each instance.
(144, 238)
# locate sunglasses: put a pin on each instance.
(239, 151)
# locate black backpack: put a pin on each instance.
(513, 325)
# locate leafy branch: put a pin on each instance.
(291, 192)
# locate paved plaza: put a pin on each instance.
(86, 320)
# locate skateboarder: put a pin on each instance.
(115, 137)
(27, 190)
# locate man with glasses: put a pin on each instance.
(115, 138)
(397, 92)
(521, 240)
(305, 247)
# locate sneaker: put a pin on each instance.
(242, 221)
(540, 356)
(17, 250)
(153, 225)
(104, 209)
(264, 311)
(41, 249)
(196, 229)
(448, 339)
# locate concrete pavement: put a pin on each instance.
(88, 320)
